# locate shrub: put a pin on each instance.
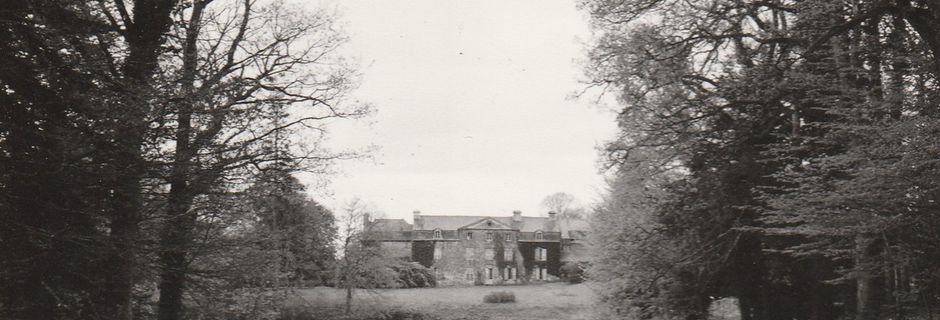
(414, 275)
(403, 315)
(500, 297)
(573, 272)
(405, 274)
(395, 274)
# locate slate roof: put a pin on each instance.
(570, 228)
(391, 225)
(447, 222)
(532, 224)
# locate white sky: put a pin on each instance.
(473, 114)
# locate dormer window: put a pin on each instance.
(538, 235)
(469, 235)
(489, 236)
(438, 234)
(509, 237)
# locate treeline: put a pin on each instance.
(781, 152)
(146, 152)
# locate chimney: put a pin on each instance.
(418, 223)
(365, 221)
(517, 215)
(551, 216)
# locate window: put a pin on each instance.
(509, 273)
(507, 254)
(509, 237)
(438, 252)
(512, 273)
(489, 236)
(538, 235)
(469, 235)
(505, 273)
(468, 253)
(488, 254)
(541, 254)
(437, 234)
(469, 274)
(537, 273)
(489, 273)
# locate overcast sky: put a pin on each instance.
(473, 109)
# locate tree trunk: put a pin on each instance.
(123, 236)
(175, 243)
(178, 231)
(349, 297)
(151, 20)
(869, 289)
(894, 86)
(924, 22)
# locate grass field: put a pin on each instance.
(541, 301)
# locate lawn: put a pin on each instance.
(539, 301)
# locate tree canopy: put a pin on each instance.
(788, 142)
(130, 129)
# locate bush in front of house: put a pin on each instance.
(414, 275)
(500, 297)
(407, 274)
(573, 272)
(395, 274)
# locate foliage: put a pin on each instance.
(423, 252)
(362, 264)
(765, 148)
(573, 272)
(128, 136)
(413, 275)
(300, 229)
(633, 259)
(244, 264)
(239, 304)
(500, 297)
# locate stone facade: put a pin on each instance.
(482, 250)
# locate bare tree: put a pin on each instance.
(564, 204)
(249, 80)
(362, 265)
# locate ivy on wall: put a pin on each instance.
(553, 263)
(423, 252)
(498, 248)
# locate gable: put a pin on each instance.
(523, 224)
(487, 223)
